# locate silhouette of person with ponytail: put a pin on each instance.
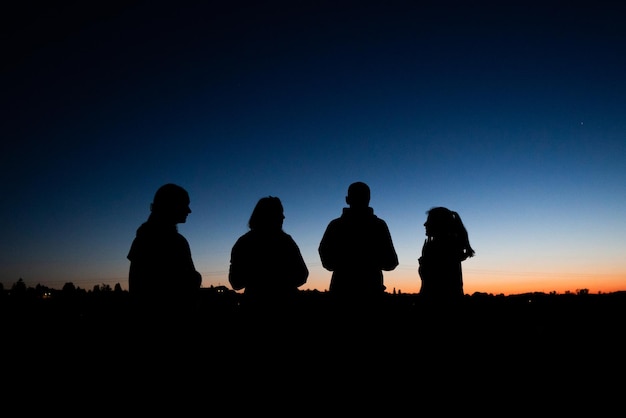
(445, 248)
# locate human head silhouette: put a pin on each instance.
(439, 222)
(358, 195)
(267, 214)
(170, 204)
(443, 222)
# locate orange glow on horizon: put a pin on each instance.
(506, 283)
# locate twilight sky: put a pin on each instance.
(511, 113)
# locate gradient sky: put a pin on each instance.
(511, 113)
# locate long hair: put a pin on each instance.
(445, 222)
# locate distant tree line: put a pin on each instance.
(222, 295)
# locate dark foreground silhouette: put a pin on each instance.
(531, 316)
(517, 351)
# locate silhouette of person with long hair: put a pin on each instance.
(357, 247)
(446, 246)
(266, 262)
(162, 279)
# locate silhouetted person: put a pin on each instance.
(357, 248)
(446, 246)
(162, 279)
(266, 262)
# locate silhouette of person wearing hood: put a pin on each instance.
(357, 248)
(162, 277)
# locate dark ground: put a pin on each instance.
(491, 352)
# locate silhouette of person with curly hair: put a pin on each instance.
(357, 247)
(162, 278)
(446, 246)
(266, 262)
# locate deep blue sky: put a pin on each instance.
(511, 113)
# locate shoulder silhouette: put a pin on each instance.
(266, 263)
(162, 275)
(446, 246)
(357, 247)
